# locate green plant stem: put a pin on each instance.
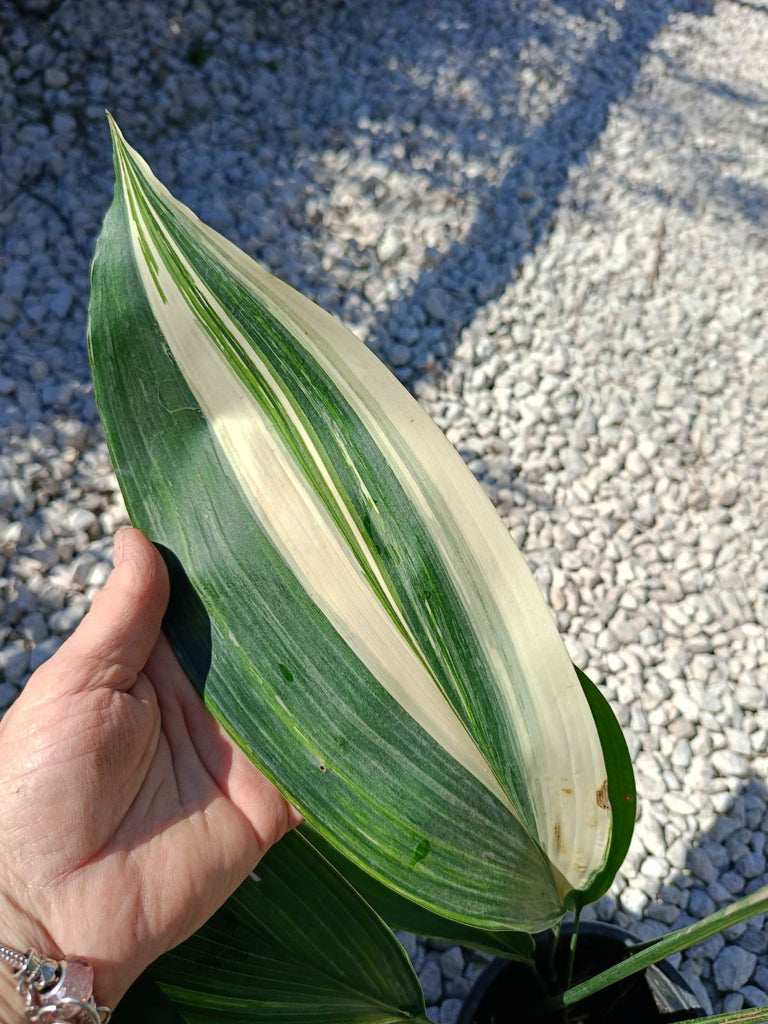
(572, 948)
(657, 950)
(754, 1015)
(551, 968)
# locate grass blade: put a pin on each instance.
(651, 952)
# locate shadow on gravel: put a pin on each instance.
(545, 155)
(723, 864)
(515, 215)
(380, 89)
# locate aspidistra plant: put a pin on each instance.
(344, 595)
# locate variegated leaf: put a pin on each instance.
(344, 593)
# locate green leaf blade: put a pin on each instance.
(297, 946)
(405, 915)
(752, 1015)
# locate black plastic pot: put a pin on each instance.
(507, 993)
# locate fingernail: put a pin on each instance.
(118, 552)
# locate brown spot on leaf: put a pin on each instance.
(322, 768)
(568, 792)
(559, 838)
(602, 797)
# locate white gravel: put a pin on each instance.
(551, 222)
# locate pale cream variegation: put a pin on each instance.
(558, 790)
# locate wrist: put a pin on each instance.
(22, 929)
(19, 931)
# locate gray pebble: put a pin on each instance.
(57, 396)
(666, 913)
(750, 865)
(64, 123)
(34, 627)
(436, 306)
(14, 662)
(55, 78)
(756, 941)
(450, 1010)
(419, 957)
(431, 982)
(40, 654)
(700, 904)
(8, 694)
(732, 881)
(701, 865)
(68, 619)
(753, 996)
(437, 945)
(733, 967)
(733, 1002)
(399, 355)
(38, 371)
(452, 962)
(408, 942)
(456, 988)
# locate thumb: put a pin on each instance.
(113, 642)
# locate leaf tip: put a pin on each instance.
(119, 145)
(114, 130)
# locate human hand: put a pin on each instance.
(127, 815)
